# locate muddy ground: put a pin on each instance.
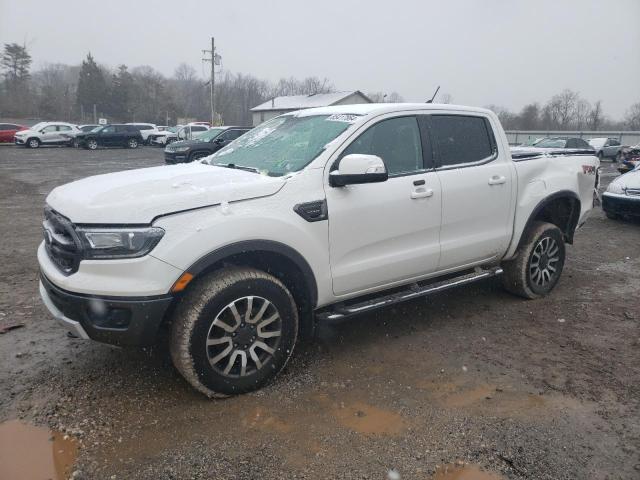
(544, 389)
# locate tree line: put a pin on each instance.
(142, 94)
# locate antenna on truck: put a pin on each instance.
(434, 95)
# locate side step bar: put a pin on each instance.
(343, 310)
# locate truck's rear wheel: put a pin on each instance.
(234, 331)
(538, 266)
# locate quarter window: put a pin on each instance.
(396, 141)
(461, 139)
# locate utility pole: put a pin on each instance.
(215, 60)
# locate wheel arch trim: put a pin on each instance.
(249, 246)
(574, 215)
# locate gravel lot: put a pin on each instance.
(543, 389)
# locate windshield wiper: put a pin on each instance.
(238, 167)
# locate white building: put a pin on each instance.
(279, 105)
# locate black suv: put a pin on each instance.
(127, 136)
(203, 145)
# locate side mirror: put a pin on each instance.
(357, 168)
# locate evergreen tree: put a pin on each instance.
(16, 63)
(122, 94)
(92, 87)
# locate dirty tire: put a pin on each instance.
(132, 143)
(198, 155)
(32, 143)
(517, 276)
(195, 317)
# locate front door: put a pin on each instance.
(50, 134)
(477, 182)
(108, 136)
(388, 232)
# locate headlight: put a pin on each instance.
(615, 187)
(180, 149)
(101, 243)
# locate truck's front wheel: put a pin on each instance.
(234, 331)
(539, 263)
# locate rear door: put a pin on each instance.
(477, 181)
(65, 132)
(385, 233)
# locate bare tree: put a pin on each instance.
(632, 117)
(508, 119)
(529, 117)
(595, 116)
(581, 114)
(376, 97)
(446, 98)
(560, 110)
(395, 97)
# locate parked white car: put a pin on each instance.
(47, 133)
(146, 129)
(315, 215)
(622, 197)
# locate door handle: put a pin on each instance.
(497, 180)
(422, 193)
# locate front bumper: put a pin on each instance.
(176, 157)
(621, 204)
(113, 320)
(19, 140)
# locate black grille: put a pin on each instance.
(61, 241)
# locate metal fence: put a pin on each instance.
(523, 136)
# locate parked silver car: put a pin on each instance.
(607, 148)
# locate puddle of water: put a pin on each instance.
(261, 418)
(368, 419)
(490, 398)
(28, 452)
(464, 472)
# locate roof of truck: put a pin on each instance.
(379, 108)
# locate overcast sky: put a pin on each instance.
(503, 52)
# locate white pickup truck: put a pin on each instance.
(312, 216)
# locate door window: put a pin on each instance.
(49, 129)
(64, 128)
(231, 135)
(109, 129)
(461, 139)
(396, 141)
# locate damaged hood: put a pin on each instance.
(138, 196)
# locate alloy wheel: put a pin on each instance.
(544, 261)
(243, 336)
